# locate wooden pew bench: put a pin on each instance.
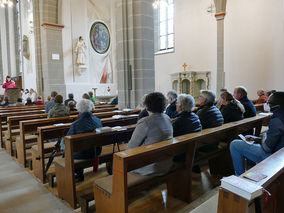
(30, 127)
(65, 168)
(112, 192)
(273, 167)
(46, 133)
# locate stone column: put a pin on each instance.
(135, 50)
(1, 64)
(220, 15)
(49, 51)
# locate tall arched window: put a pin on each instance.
(166, 25)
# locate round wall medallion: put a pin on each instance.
(100, 37)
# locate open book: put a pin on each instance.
(241, 187)
(245, 140)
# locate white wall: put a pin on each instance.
(195, 43)
(254, 45)
(77, 18)
(253, 48)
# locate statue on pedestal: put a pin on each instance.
(80, 51)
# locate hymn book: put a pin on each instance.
(241, 187)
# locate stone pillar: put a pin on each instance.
(49, 51)
(220, 15)
(135, 51)
(1, 64)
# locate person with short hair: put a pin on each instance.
(261, 97)
(50, 103)
(72, 106)
(144, 112)
(171, 110)
(186, 121)
(232, 109)
(86, 96)
(209, 115)
(92, 98)
(240, 93)
(70, 98)
(86, 122)
(154, 128)
(29, 101)
(58, 110)
(39, 101)
(19, 102)
(271, 143)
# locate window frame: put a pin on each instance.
(167, 34)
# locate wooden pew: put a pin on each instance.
(112, 192)
(30, 127)
(51, 132)
(273, 167)
(13, 123)
(259, 107)
(4, 117)
(75, 142)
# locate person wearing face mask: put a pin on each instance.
(272, 141)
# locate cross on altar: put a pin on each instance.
(184, 66)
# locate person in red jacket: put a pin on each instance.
(9, 84)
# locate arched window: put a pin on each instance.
(166, 25)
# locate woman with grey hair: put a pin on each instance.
(171, 110)
(209, 115)
(186, 121)
(86, 122)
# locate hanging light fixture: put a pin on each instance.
(158, 3)
(8, 3)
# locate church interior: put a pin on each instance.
(141, 106)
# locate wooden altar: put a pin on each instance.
(191, 82)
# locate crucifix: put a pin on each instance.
(184, 66)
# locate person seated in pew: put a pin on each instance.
(19, 102)
(86, 122)
(39, 101)
(171, 110)
(72, 106)
(29, 102)
(58, 110)
(154, 128)
(186, 121)
(261, 97)
(86, 96)
(114, 101)
(272, 142)
(219, 104)
(92, 98)
(240, 93)
(70, 98)
(268, 93)
(232, 109)
(5, 102)
(50, 103)
(209, 114)
(144, 112)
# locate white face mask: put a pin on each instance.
(266, 107)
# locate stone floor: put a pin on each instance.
(22, 193)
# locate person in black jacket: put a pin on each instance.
(209, 115)
(240, 93)
(186, 121)
(171, 110)
(232, 109)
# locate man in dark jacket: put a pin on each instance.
(186, 121)
(272, 142)
(70, 98)
(171, 110)
(209, 115)
(240, 93)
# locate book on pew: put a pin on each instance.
(103, 129)
(255, 176)
(245, 140)
(241, 187)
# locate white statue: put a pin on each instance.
(80, 51)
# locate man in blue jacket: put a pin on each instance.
(272, 142)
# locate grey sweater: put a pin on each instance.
(152, 129)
